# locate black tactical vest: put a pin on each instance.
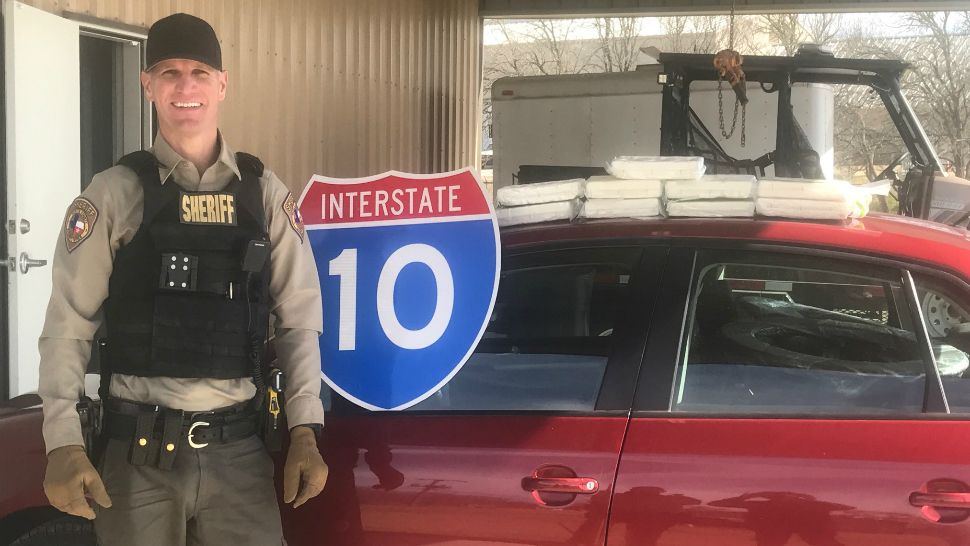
(179, 301)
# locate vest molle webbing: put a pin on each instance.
(179, 303)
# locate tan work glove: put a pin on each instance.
(69, 475)
(304, 470)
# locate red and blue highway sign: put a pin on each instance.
(409, 268)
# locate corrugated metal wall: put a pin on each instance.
(337, 87)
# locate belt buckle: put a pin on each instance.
(196, 424)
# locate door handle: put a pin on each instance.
(575, 486)
(940, 500)
(556, 485)
(27, 262)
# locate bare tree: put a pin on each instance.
(675, 29)
(540, 47)
(857, 42)
(748, 36)
(509, 58)
(938, 87)
(702, 34)
(619, 44)
(865, 139)
(691, 34)
(553, 48)
(784, 29)
(791, 30)
(533, 48)
(939, 84)
(710, 34)
(821, 28)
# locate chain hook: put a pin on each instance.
(739, 105)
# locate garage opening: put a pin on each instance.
(861, 141)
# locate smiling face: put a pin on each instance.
(186, 95)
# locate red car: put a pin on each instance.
(682, 382)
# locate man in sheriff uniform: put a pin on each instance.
(183, 253)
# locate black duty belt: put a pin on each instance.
(156, 433)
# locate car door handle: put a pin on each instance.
(940, 500)
(26, 262)
(580, 486)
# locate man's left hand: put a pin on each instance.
(305, 472)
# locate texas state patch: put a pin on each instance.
(293, 213)
(79, 222)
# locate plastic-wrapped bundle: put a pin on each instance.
(657, 167)
(608, 187)
(621, 208)
(801, 188)
(816, 199)
(542, 192)
(808, 209)
(712, 186)
(533, 214)
(711, 208)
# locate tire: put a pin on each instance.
(826, 345)
(65, 531)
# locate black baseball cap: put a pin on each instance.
(182, 36)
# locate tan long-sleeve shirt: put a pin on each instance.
(80, 286)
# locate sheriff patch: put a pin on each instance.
(79, 222)
(293, 213)
(208, 208)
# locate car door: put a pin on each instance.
(791, 399)
(521, 446)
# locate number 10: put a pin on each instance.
(345, 267)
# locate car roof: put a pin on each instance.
(890, 236)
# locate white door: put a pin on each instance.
(43, 167)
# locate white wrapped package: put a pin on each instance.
(657, 167)
(801, 188)
(808, 209)
(541, 192)
(533, 214)
(712, 186)
(608, 187)
(621, 208)
(711, 208)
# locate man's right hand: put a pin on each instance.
(69, 476)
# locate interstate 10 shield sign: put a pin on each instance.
(409, 268)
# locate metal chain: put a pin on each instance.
(720, 111)
(744, 125)
(737, 102)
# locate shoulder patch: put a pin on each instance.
(293, 214)
(79, 222)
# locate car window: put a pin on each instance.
(945, 312)
(549, 338)
(778, 334)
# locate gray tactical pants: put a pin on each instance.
(221, 494)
